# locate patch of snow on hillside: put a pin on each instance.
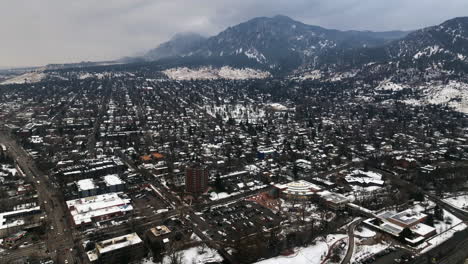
(454, 94)
(428, 51)
(343, 75)
(389, 86)
(242, 74)
(206, 73)
(313, 75)
(30, 77)
(254, 54)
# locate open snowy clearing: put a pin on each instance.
(458, 201)
(196, 255)
(454, 94)
(30, 77)
(313, 254)
(207, 73)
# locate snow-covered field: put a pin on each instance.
(310, 255)
(206, 73)
(458, 201)
(454, 94)
(30, 77)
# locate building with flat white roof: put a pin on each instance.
(122, 249)
(14, 220)
(86, 187)
(335, 201)
(94, 209)
(114, 183)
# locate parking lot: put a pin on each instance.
(238, 220)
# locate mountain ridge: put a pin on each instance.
(275, 40)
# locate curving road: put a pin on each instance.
(350, 251)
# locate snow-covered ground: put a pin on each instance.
(362, 251)
(458, 201)
(278, 107)
(454, 94)
(83, 76)
(195, 255)
(205, 73)
(364, 232)
(389, 86)
(30, 77)
(440, 238)
(216, 196)
(8, 169)
(313, 254)
(312, 75)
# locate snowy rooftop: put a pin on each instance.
(160, 230)
(408, 217)
(364, 177)
(4, 217)
(113, 179)
(118, 243)
(422, 229)
(333, 197)
(86, 184)
(84, 209)
(300, 187)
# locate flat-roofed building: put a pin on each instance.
(333, 200)
(86, 188)
(93, 209)
(114, 183)
(14, 221)
(122, 249)
(407, 218)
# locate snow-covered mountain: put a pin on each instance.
(276, 43)
(181, 44)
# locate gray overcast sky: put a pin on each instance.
(38, 32)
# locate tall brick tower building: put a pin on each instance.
(196, 179)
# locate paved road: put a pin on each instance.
(59, 237)
(38, 249)
(350, 251)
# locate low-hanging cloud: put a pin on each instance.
(55, 31)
